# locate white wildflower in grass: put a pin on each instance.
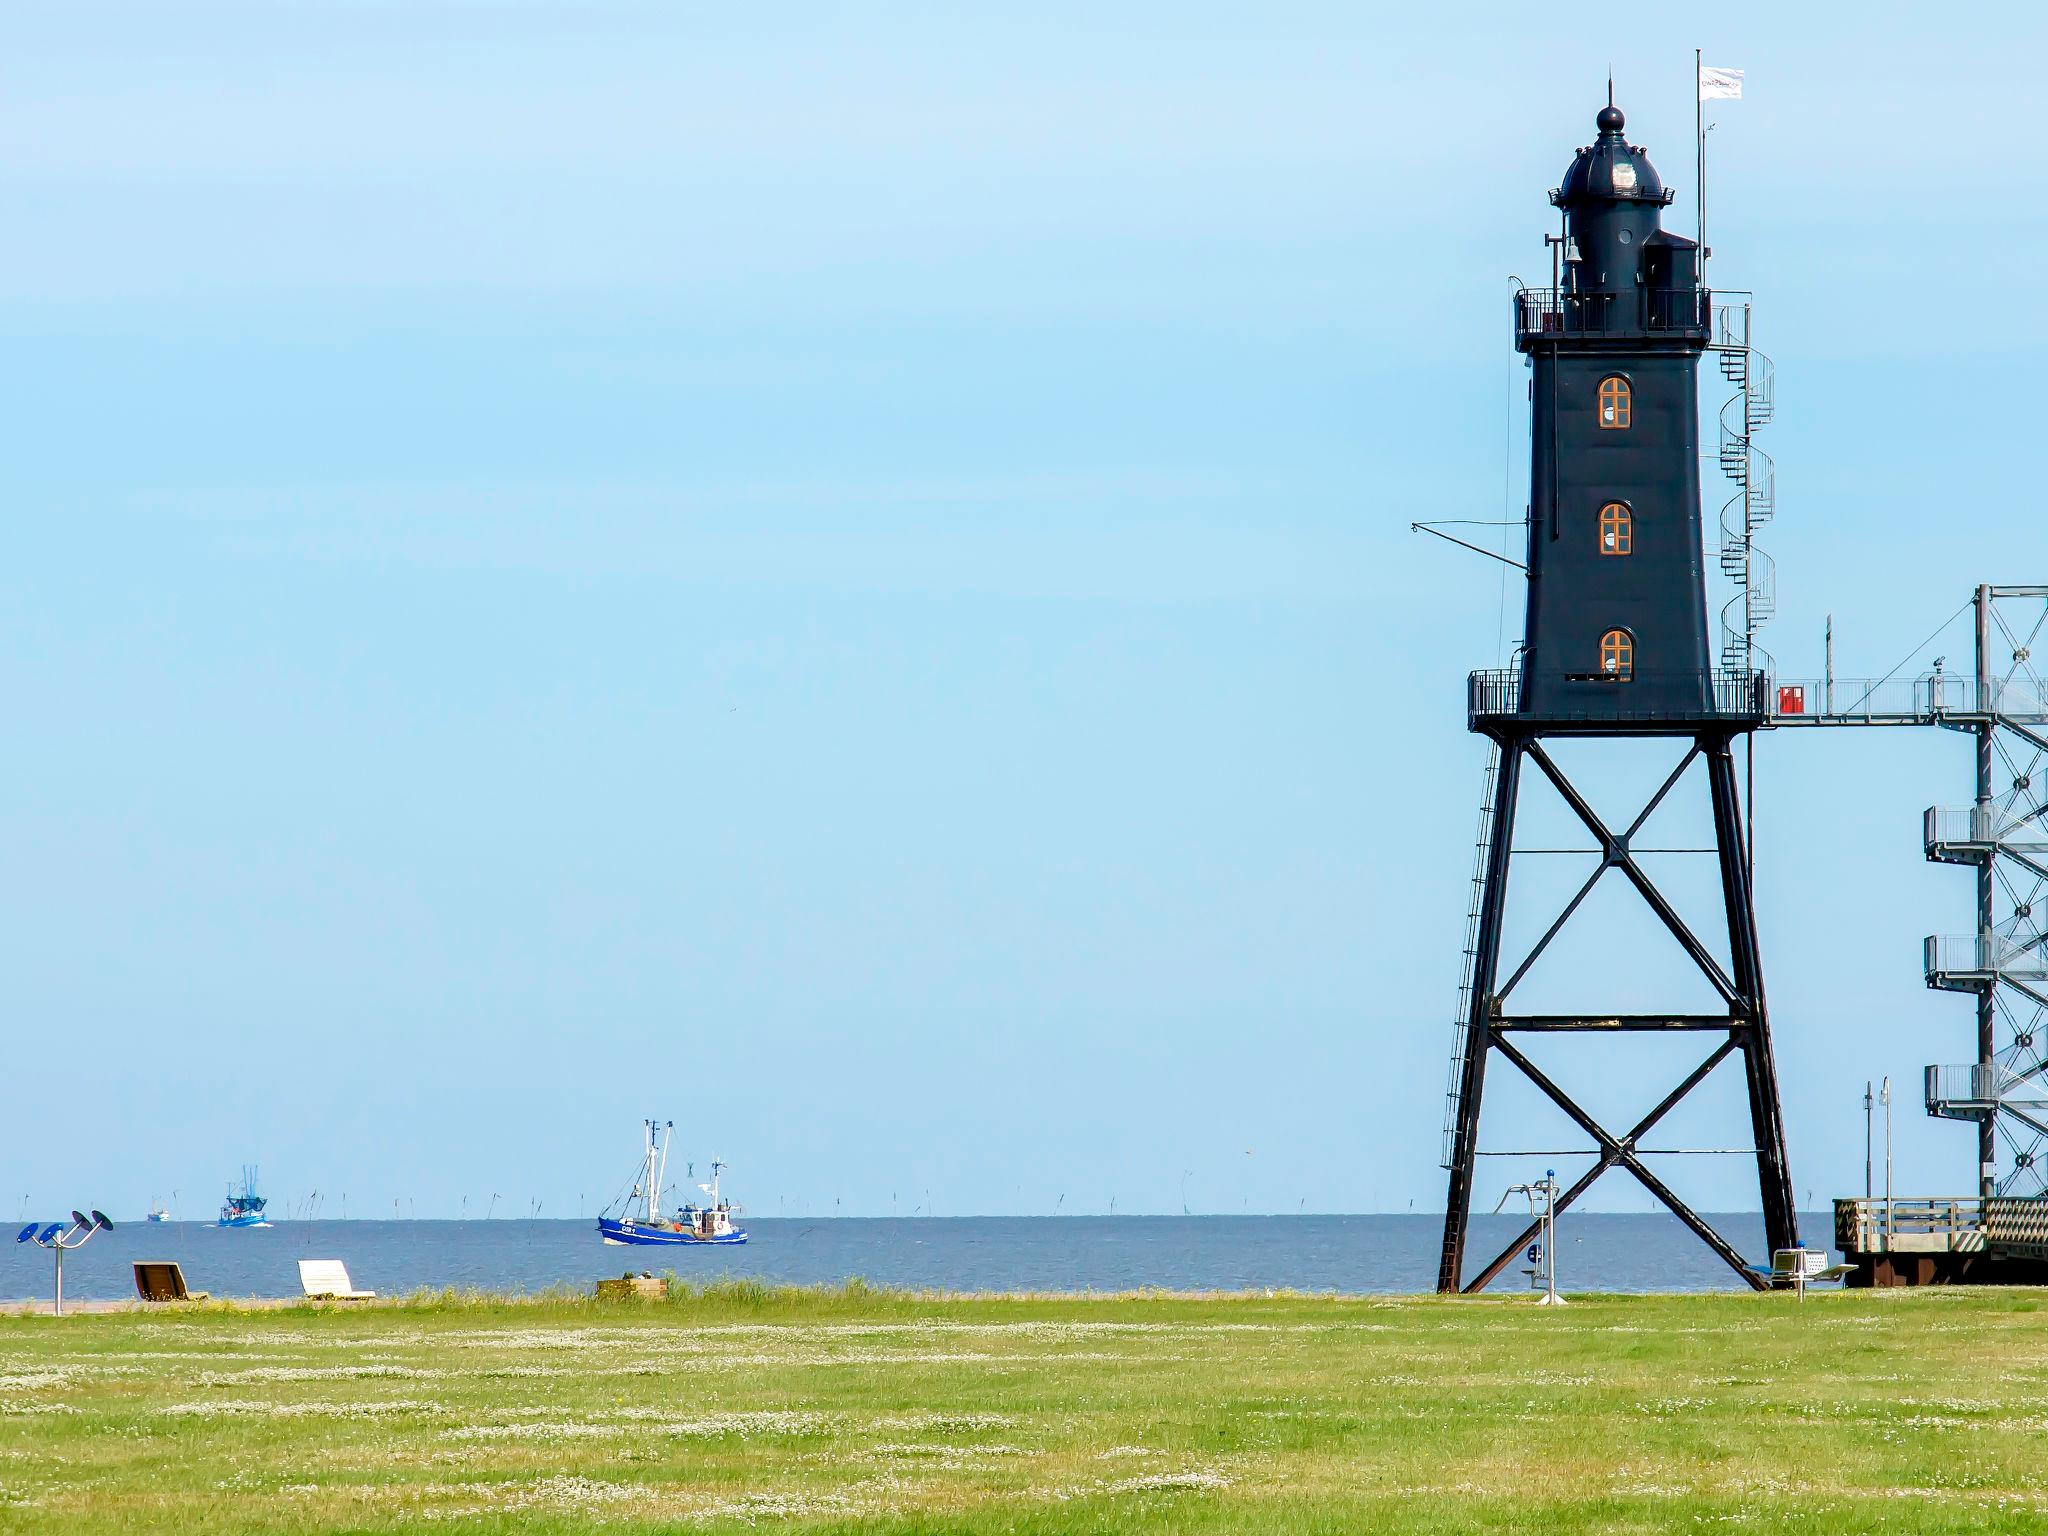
(569, 1492)
(520, 1372)
(542, 1432)
(197, 1356)
(1168, 1481)
(922, 1451)
(227, 1408)
(1191, 1480)
(706, 1427)
(60, 1376)
(316, 1373)
(943, 1421)
(11, 1407)
(755, 1507)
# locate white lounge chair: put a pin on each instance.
(327, 1280)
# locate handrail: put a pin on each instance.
(1984, 824)
(1556, 312)
(1722, 694)
(1979, 954)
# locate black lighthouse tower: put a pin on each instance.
(1615, 645)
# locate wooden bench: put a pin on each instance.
(162, 1280)
(632, 1288)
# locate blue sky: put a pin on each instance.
(845, 578)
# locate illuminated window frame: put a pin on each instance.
(1618, 655)
(1617, 529)
(1617, 403)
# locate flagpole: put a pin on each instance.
(1699, 139)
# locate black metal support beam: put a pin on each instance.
(1618, 854)
(1614, 1151)
(1537, 1023)
(1606, 1161)
(1740, 985)
(1485, 965)
(1766, 1114)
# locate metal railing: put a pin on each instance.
(1856, 699)
(1874, 1224)
(1970, 1086)
(2020, 1224)
(1983, 824)
(1722, 694)
(1561, 312)
(1868, 1225)
(2020, 697)
(1981, 954)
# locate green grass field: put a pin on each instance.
(855, 1411)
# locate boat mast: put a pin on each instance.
(647, 1171)
(654, 1197)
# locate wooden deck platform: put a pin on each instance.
(1922, 1241)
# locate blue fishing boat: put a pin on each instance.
(622, 1225)
(243, 1207)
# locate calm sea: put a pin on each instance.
(972, 1253)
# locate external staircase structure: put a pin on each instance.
(2001, 836)
(1755, 501)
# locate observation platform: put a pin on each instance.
(1971, 834)
(1920, 1241)
(1760, 700)
(1975, 1089)
(1970, 962)
(1938, 698)
(1612, 704)
(1551, 315)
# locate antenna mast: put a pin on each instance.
(1699, 139)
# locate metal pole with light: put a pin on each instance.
(59, 1241)
(1868, 1099)
(1546, 1225)
(1550, 1297)
(1887, 1097)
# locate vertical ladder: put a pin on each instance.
(1482, 846)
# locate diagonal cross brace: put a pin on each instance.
(1636, 1133)
(1615, 854)
(1612, 851)
(1621, 1152)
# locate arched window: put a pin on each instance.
(1618, 654)
(1617, 529)
(1615, 399)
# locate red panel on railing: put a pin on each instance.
(1792, 700)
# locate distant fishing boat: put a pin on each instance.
(690, 1223)
(157, 1212)
(243, 1207)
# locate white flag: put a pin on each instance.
(1720, 84)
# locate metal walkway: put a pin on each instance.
(2002, 835)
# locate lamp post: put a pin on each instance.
(58, 1241)
(1544, 1189)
